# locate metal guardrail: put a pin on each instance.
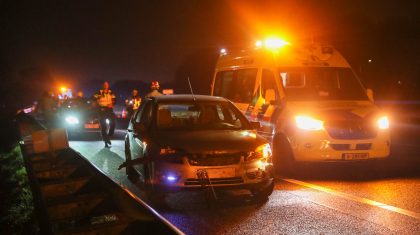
(72, 196)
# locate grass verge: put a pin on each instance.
(16, 207)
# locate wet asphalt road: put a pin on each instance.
(357, 198)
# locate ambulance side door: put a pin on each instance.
(270, 92)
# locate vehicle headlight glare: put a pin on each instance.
(72, 120)
(309, 123)
(261, 152)
(383, 123)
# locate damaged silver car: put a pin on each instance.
(186, 142)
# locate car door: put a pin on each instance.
(140, 125)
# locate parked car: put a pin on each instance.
(79, 115)
(184, 142)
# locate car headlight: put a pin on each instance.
(383, 123)
(261, 152)
(72, 120)
(309, 123)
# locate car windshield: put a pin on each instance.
(321, 84)
(199, 116)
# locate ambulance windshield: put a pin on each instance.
(307, 84)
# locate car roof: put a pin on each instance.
(189, 97)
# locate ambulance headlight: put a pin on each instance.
(309, 123)
(383, 123)
(72, 120)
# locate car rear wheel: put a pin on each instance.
(283, 159)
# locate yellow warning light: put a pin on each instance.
(275, 43)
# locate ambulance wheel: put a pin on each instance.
(283, 159)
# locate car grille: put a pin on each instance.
(216, 181)
(350, 129)
(214, 159)
(341, 147)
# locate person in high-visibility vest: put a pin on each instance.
(106, 101)
(133, 103)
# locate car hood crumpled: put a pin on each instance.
(210, 141)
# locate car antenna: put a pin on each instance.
(192, 93)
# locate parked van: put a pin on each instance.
(310, 103)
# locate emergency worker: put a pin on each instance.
(154, 87)
(106, 100)
(133, 103)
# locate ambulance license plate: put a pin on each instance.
(355, 156)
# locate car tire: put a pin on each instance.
(283, 159)
(262, 195)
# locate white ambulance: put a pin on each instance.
(310, 103)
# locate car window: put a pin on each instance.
(199, 116)
(144, 110)
(304, 84)
(136, 116)
(146, 115)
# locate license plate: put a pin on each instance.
(91, 126)
(220, 172)
(355, 156)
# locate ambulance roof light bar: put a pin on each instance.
(272, 43)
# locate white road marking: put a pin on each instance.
(355, 198)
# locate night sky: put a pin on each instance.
(149, 40)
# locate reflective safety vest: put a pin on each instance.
(105, 99)
(133, 103)
(136, 103)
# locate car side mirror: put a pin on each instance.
(369, 93)
(255, 125)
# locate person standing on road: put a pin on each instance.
(106, 100)
(133, 103)
(154, 87)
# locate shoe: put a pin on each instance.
(109, 143)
